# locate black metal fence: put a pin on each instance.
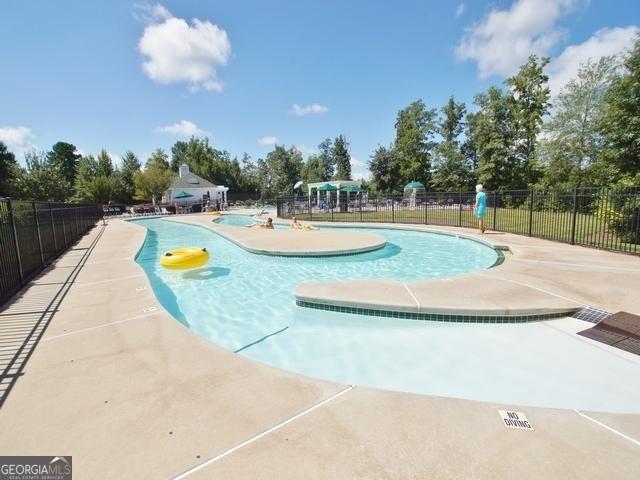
(34, 233)
(594, 217)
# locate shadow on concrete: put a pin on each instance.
(22, 324)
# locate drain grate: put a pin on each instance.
(593, 315)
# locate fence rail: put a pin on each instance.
(593, 217)
(33, 233)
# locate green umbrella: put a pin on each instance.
(414, 186)
(351, 188)
(327, 187)
(183, 195)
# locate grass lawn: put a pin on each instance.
(590, 230)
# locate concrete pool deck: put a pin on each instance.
(128, 391)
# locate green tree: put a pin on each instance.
(451, 170)
(325, 160)
(178, 154)
(87, 168)
(341, 158)
(42, 180)
(104, 167)
(491, 135)
(529, 102)
(384, 169)
(9, 172)
(158, 159)
(265, 177)
(469, 149)
(414, 144)
(213, 165)
(249, 174)
(63, 156)
(572, 143)
(102, 190)
(152, 183)
(284, 168)
(620, 121)
(130, 165)
(312, 170)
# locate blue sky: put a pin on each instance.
(125, 75)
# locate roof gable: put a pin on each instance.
(191, 180)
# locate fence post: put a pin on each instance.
(310, 209)
(64, 230)
(495, 208)
(15, 240)
(530, 211)
(460, 209)
(393, 210)
(360, 205)
(425, 208)
(75, 212)
(35, 217)
(53, 230)
(574, 215)
(636, 217)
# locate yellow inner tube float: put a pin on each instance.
(186, 257)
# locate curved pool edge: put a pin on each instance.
(441, 230)
(437, 299)
(260, 242)
(469, 298)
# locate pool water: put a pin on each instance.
(246, 220)
(245, 303)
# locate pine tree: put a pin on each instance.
(104, 167)
(341, 158)
(130, 165)
(64, 158)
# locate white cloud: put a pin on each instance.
(17, 139)
(605, 42)
(302, 110)
(150, 13)
(304, 150)
(183, 128)
(504, 39)
(268, 140)
(460, 9)
(176, 52)
(366, 175)
(355, 163)
(116, 159)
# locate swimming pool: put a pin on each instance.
(244, 303)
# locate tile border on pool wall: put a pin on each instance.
(434, 317)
